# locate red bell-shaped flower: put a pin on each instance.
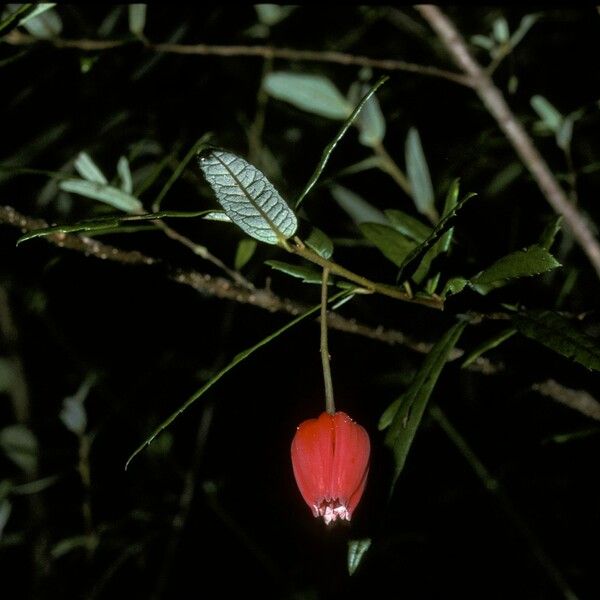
(330, 457)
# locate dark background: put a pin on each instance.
(152, 342)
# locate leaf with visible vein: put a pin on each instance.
(559, 334)
(248, 197)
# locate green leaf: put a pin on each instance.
(137, 18)
(455, 285)
(409, 226)
(559, 334)
(524, 26)
(406, 421)
(67, 545)
(248, 197)
(125, 175)
(271, 14)
(489, 344)
(548, 113)
(500, 29)
(319, 242)
(550, 232)
(389, 413)
(413, 259)
(307, 274)
(103, 225)
(236, 360)
(359, 209)
(103, 193)
(312, 93)
(392, 244)
(21, 446)
(38, 10)
(523, 263)
(483, 42)
(443, 244)
(356, 551)
(371, 122)
(418, 175)
(88, 169)
(244, 253)
(338, 136)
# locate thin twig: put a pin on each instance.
(262, 298)
(496, 104)
(325, 358)
(340, 58)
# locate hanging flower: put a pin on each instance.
(330, 457)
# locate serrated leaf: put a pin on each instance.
(236, 360)
(359, 209)
(455, 285)
(20, 445)
(104, 193)
(392, 244)
(312, 93)
(307, 274)
(319, 242)
(137, 18)
(88, 169)
(547, 112)
(409, 226)
(243, 254)
(523, 263)
(489, 344)
(559, 334)
(371, 122)
(248, 197)
(418, 175)
(125, 175)
(412, 261)
(403, 428)
(356, 552)
(550, 232)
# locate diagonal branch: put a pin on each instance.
(496, 104)
(264, 298)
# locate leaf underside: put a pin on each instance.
(248, 197)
